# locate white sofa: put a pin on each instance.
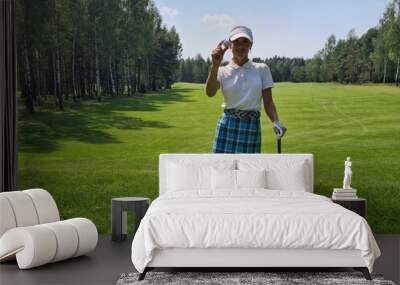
(31, 231)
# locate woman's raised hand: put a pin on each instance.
(218, 54)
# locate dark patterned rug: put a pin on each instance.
(275, 278)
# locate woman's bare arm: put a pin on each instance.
(212, 84)
(269, 105)
(270, 109)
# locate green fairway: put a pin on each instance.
(94, 151)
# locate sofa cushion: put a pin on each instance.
(67, 240)
(7, 215)
(46, 207)
(27, 208)
(23, 208)
(32, 246)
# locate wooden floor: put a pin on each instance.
(110, 260)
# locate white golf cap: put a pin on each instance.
(239, 32)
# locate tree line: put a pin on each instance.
(89, 49)
(373, 57)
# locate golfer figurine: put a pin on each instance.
(347, 174)
(244, 84)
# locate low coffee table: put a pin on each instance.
(119, 215)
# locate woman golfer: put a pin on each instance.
(243, 84)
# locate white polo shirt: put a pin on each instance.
(242, 85)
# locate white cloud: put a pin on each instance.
(168, 12)
(222, 20)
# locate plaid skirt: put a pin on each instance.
(238, 131)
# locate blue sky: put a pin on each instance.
(280, 27)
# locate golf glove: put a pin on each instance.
(279, 129)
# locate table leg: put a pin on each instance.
(140, 211)
(116, 222)
(124, 222)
